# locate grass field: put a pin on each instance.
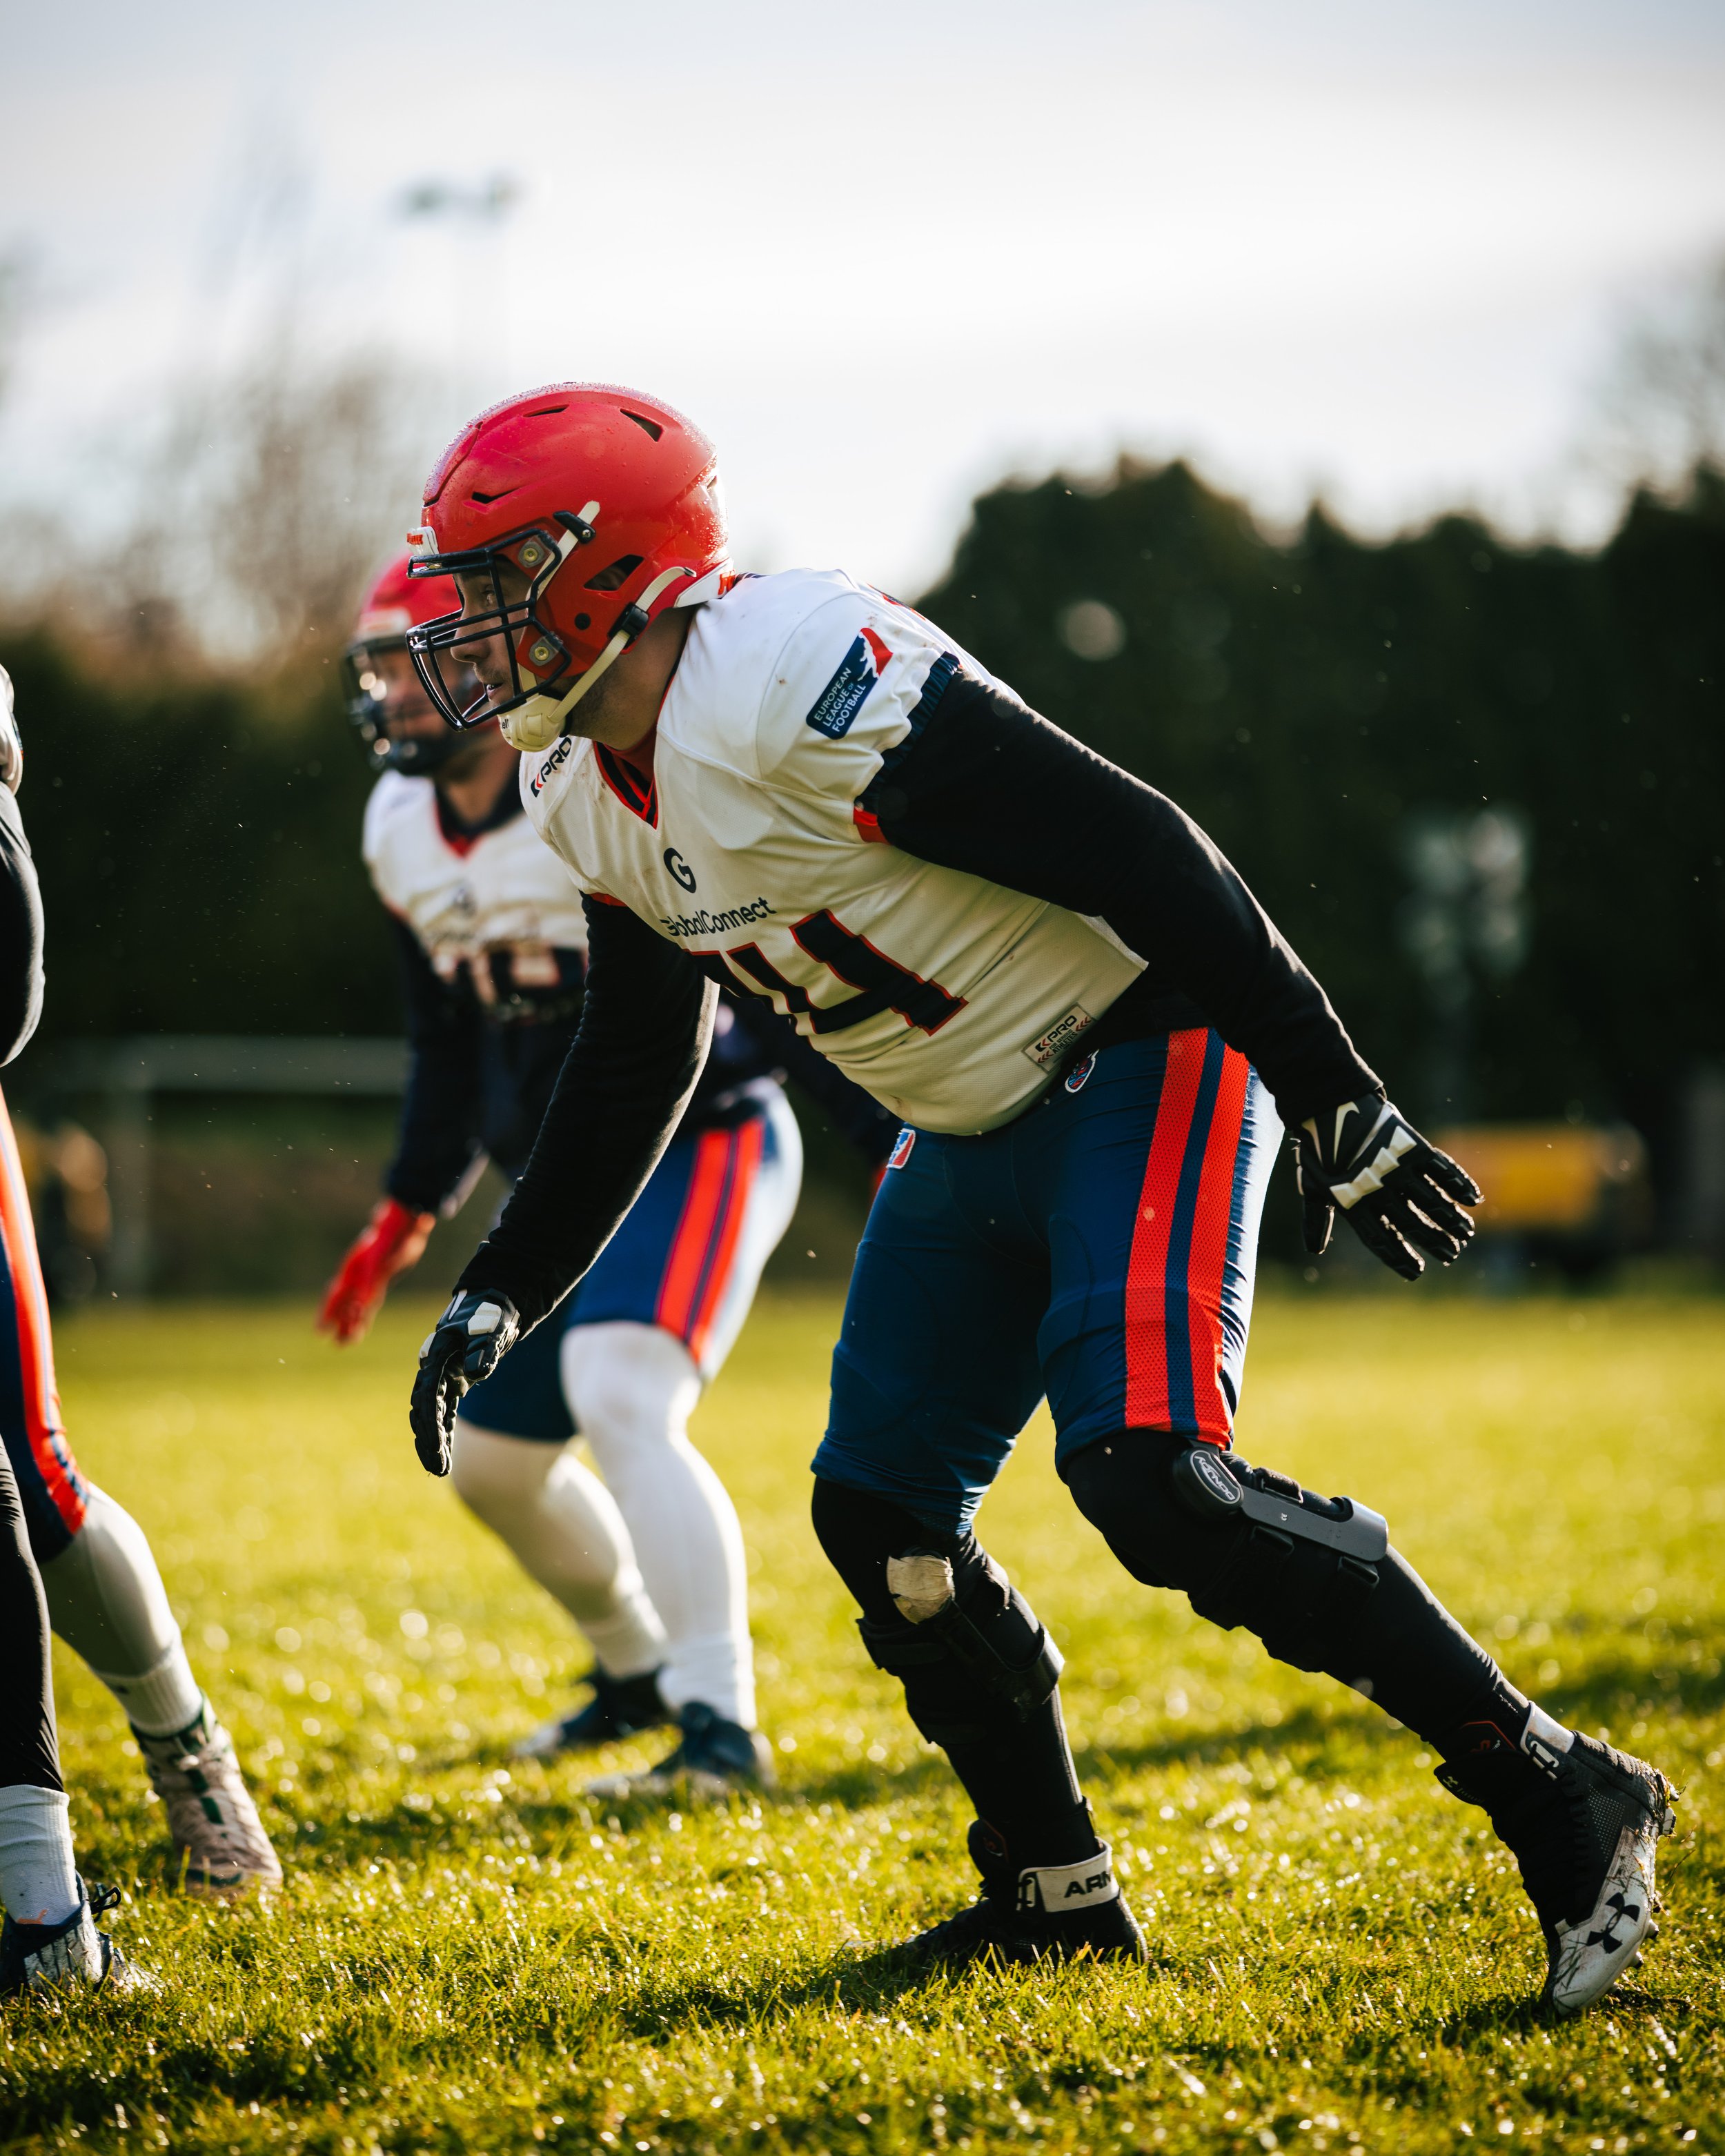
(469, 1956)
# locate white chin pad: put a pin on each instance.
(532, 725)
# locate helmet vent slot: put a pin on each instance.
(610, 578)
(477, 496)
(647, 426)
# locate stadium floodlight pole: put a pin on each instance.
(474, 215)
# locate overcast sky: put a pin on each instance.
(887, 254)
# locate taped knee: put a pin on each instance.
(939, 1615)
(965, 1643)
(1248, 1547)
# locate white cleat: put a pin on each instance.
(220, 1846)
(1585, 1826)
(1588, 1952)
(69, 1956)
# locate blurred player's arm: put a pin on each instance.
(646, 1022)
(21, 977)
(988, 786)
(437, 1142)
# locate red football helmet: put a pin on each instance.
(395, 603)
(605, 503)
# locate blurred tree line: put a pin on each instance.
(1306, 698)
(1312, 700)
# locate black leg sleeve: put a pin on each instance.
(29, 1748)
(1392, 1640)
(1016, 1768)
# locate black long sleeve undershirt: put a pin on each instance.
(645, 1025)
(21, 974)
(440, 1131)
(987, 787)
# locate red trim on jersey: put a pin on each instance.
(639, 799)
(1146, 1400)
(602, 898)
(1208, 1257)
(44, 1425)
(869, 825)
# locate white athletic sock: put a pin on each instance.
(163, 1701)
(631, 1389)
(565, 1531)
(39, 1879)
(105, 1599)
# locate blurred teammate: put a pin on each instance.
(49, 1937)
(493, 942)
(103, 1594)
(1083, 1017)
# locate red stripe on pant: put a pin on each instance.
(45, 1426)
(719, 1184)
(1146, 1400)
(751, 1143)
(1209, 1254)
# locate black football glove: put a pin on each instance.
(472, 1336)
(1397, 1192)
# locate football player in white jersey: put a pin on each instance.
(492, 942)
(796, 785)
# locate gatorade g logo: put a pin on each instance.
(680, 868)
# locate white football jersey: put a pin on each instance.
(949, 999)
(497, 907)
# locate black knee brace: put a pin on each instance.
(1247, 1547)
(940, 1614)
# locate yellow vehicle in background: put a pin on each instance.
(1575, 1196)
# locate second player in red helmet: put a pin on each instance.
(491, 938)
(567, 584)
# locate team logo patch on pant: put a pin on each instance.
(1079, 1072)
(901, 1148)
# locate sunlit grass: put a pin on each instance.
(468, 1955)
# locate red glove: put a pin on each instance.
(394, 1239)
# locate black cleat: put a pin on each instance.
(72, 1955)
(1583, 1826)
(1035, 1912)
(620, 1708)
(715, 1758)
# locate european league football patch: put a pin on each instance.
(901, 1147)
(836, 706)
